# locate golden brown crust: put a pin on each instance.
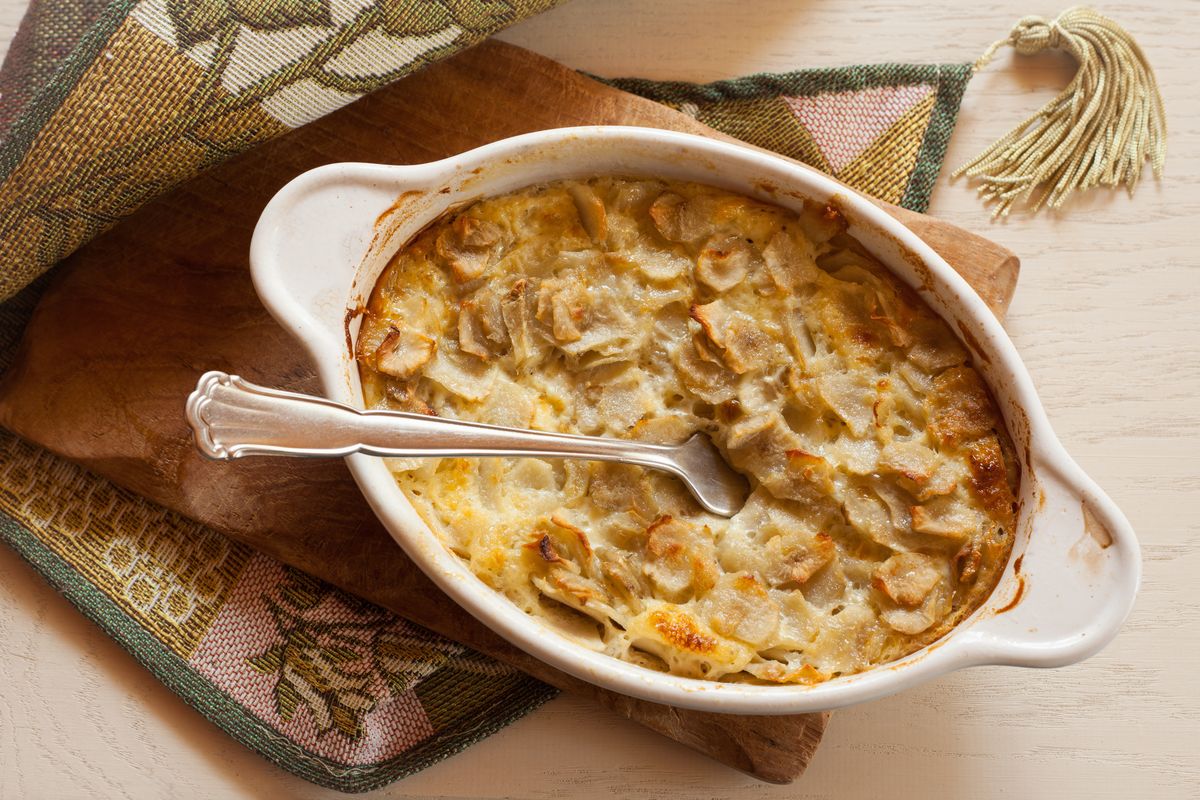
(961, 407)
(680, 631)
(989, 480)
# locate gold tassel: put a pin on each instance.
(1099, 131)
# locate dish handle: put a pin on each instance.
(314, 239)
(1067, 593)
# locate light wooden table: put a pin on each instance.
(1106, 317)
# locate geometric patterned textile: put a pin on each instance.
(104, 106)
(881, 128)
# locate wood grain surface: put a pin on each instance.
(1104, 320)
(168, 294)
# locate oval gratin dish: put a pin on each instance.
(324, 239)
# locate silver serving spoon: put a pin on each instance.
(232, 418)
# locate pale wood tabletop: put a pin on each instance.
(1105, 316)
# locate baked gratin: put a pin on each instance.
(882, 510)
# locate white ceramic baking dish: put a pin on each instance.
(326, 236)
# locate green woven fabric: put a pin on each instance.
(48, 33)
(883, 128)
(104, 106)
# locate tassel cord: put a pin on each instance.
(1099, 131)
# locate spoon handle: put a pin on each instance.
(232, 417)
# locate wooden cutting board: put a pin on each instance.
(133, 319)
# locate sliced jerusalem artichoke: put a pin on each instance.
(466, 377)
(915, 593)
(471, 337)
(967, 561)
(908, 621)
(565, 307)
(591, 211)
(566, 318)
(660, 265)
(746, 347)
(466, 263)
(618, 398)
(577, 537)
(946, 518)
(912, 460)
(724, 262)
(943, 481)
(667, 212)
(934, 353)
(989, 480)
(907, 578)
(491, 321)
(514, 309)
(705, 350)
(809, 470)
(739, 607)
(622, 577)
(868, 514)
(511, 404)
(404, 398)
(703, 373)
(621, 487)
(680, 558)
(789, 263)
(753, 431)
(741, 344)
(689, 220)
(558, 540)
(575, 591)
(670, 429)
(797, 558)
(763, 445)
(850, 395)
(914, 590)
(474, 232)
(403, 351)
(468, 246)
(821, 223)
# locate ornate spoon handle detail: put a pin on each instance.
(232, 418)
